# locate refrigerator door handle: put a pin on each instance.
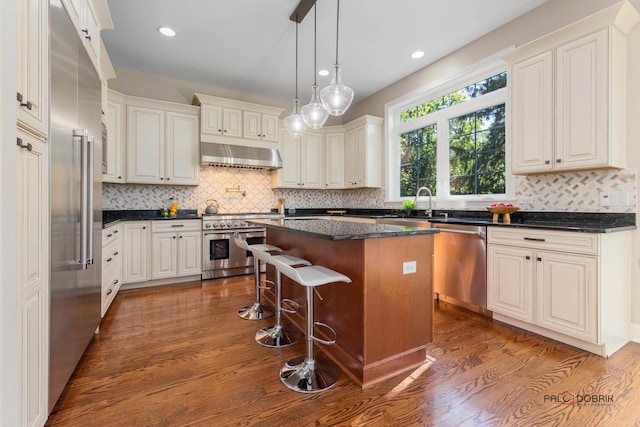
(82, 134)
(90, 146)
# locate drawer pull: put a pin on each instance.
(115, 282)
(109, 259)
(115, 232)
(109, 235)
(110, 291)
(539, 259)
(535, 239)
(527, 257)
(115, 253)
(177, 225)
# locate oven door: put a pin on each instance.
(254, 236)
(218, 250)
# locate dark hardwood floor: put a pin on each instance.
(180, 356)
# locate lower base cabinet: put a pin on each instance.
(176, 248)
(111, 264)
(570, 286)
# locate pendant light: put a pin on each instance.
(294, 123)
(336, 97)
(314, 114)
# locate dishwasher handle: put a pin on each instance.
(482, 234)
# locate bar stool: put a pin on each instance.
(256, 311)
(279, 335)
(309, 374)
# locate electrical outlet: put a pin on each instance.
(614, 198)
(526, 200)
(408, 267)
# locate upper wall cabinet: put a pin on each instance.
(162, 142)
(87, 25)
(116, 138)
(568, 96)
(363, 153)
(32, 70)
(227, 121)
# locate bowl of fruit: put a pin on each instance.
(504, 209)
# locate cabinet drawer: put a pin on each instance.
(563, 241)
(176, 225)
(110, 234)
(111, 281)
(111, 254)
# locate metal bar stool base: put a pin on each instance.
(256, 312)
(278, 335)
(309, 376)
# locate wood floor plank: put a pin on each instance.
(180, 356)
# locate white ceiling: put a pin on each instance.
(249, 45)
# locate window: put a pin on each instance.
(453, 142)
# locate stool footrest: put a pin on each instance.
(269, 284)
(320, 340)
(295, 304)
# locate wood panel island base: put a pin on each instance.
(384, 318)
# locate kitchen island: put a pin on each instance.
(384, 318)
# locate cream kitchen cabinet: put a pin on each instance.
(261, 126)
(135, 250)
(229, 121)
(302, 161)
(32, 246)
(568, 98)
(111, 264)
(32, 69)
(221, 121)
(363, 153)
(162, 143)
(116, 138)
(570, 286)
(334, 160)
(176, 248)
(87, 25)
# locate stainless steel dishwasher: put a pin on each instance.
(460, 265)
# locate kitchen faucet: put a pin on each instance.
(427, 212)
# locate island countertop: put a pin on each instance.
(343, 230)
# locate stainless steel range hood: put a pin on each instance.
(239, 156)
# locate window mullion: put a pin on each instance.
(443, 158)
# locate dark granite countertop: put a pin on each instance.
(112, 216)
(343, 230)
(586, 222)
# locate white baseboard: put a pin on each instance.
(635, 332)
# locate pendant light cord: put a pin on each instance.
(315, 54)
(337, 26)
(296, 60)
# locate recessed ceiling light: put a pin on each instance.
(417, 54)
(167, 31)
(323, 73)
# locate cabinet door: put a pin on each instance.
(582, 102)
(145, 145)
(182, 155)
(189, 253)
(32, 72)
(567, 299)
(289, 174)
(532, 114)
(269, 126)
(211, 117)
(232, 122)
(351, 162)
(115, 143)
(311, 161)
(510, 281)
(135, 252)
(334, 160)
(251, 124)
(164, 255)
(32, 245)
(91, 33)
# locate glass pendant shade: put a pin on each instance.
(294, 122)
(336, 97)
(314, 114)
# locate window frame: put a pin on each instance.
(394, 128)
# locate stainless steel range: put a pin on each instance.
(220, 255)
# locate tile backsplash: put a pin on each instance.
(235, 190)
(247, 190)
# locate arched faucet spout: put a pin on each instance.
(428, 212)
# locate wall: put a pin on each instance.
(222, 184)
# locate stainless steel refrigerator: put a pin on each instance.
(75, 152)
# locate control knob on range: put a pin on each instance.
(207, 225)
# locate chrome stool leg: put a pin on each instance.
(279, 335)
(257, 311)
